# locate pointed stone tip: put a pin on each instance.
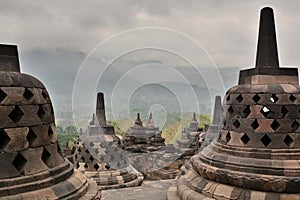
(9, 58)
(194, 116)
(217, 111)
(267, 53)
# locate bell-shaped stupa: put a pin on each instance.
(32, 165)
(257, 153)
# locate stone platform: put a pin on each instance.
(150, 190)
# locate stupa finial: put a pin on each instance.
(267, 53)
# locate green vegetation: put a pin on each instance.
(171, 131)
(67, 135)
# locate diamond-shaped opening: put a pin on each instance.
(27, 94)
(50, 132)
(96, 166)
(19, 162)
(288, 140)
(254, 124)
(4, 139)
(79, 150)
(274, 98)
(77, 165)
(97, 151)
(92, 158)
(31, 136)
(44, 94)
(107, 166)
(295, 126)
(85, 165)
(256, 98)
(275, 125)
(2, 95)
(16, 114)
(41, 112)
(239, 98)
(245, 139)
(82, 159)
(265, 111)
(230, 110)
(87, 151)
(292, 98)
(228, 137)
(265, 140)
(236, 124)
(228, 98)
(284, 111)
(46, 157)
(76, 157)
(247, 111)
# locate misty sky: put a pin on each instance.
(54, 37)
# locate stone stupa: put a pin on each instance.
(257, 153)
(32, 164)
(99, 155)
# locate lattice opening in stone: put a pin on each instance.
(82, 159)
(19, 162)
(292, 98)
(254, 124)
(96, 166)
(87, 151)
(16, 114)
(245, 139)
(41, 113)
(46, 157)
(228, 137)
(228, 98)
(295, 126)
(2, 95)
(27, 94)
(247, 111)
(107, 166)
(4, 139)
(236, 124)
(256, 98)
(230, 110)
(50, 132)
(31, 136)
(265, 111)
(274, 98)
(85, 165)
(77, 165)
(92, 158)
(239, 98)
(288, 140)
(265, 140)
(284, 111)
(275, 125)
(44, 94)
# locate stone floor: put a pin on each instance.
(150, 190)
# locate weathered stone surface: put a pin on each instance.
(32, 166)
(256, 155)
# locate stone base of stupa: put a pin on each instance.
(62, 182)
(192, 186)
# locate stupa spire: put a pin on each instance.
(267, 53)
(138, 120)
